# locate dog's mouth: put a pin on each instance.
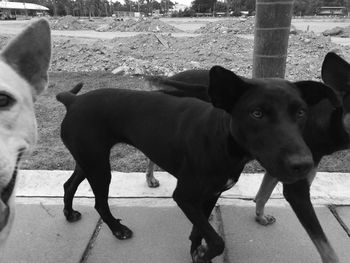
(6, 195)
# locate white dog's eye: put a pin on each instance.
(6, 100)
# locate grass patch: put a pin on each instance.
(51, 154)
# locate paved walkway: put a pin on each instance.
(41, 234)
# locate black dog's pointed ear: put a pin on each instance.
(313, 92)
(336, 72)
(225, 87)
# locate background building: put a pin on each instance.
(11, 10)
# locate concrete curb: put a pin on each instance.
(327, 188)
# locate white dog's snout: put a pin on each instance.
(10, 154)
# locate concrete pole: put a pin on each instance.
(272, 26)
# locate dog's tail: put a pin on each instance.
(179, 88)
(67, 97)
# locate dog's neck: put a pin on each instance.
(235, 150)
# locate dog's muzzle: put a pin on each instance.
(6, 195)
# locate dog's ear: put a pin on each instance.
(29, 54)
(313, 92)
(336, 72)
(225, 87)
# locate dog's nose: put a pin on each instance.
(300, 166)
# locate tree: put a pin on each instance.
(203, 6)
(221, 7)
(165, 5)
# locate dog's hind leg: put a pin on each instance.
(70, 187)
(266, 188)
(189, 202)
(150, 179)
(98, 175)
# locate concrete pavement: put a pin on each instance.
(41, 234)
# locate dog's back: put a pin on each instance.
(189, 83)
(116, 114)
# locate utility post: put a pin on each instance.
(272, 26)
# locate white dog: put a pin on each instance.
(24, 63)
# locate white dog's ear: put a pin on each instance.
(29, 54)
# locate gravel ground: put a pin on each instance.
(166, 55)
(154, 53)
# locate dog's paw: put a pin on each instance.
(265, 220)
(199, 255)
(121, 232)
(152, 182)
(72, 215)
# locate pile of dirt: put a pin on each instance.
(69, 23)
(153, 54)
(346, 32)
(138, 25)
(338, 31)
(234, 25)
(3, 40)
(166, 55)
(306, 52)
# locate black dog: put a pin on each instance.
(204, 147)
(327, 128)
(327, 131)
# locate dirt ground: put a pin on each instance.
(220, 43)
(91, 56)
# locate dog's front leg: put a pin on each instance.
(196, 236)
(266, 188)
(190, 203)
(298, 196)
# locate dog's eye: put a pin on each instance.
(301, 113)
(5, 101)
(257, 114)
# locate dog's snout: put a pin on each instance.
(300, 166)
